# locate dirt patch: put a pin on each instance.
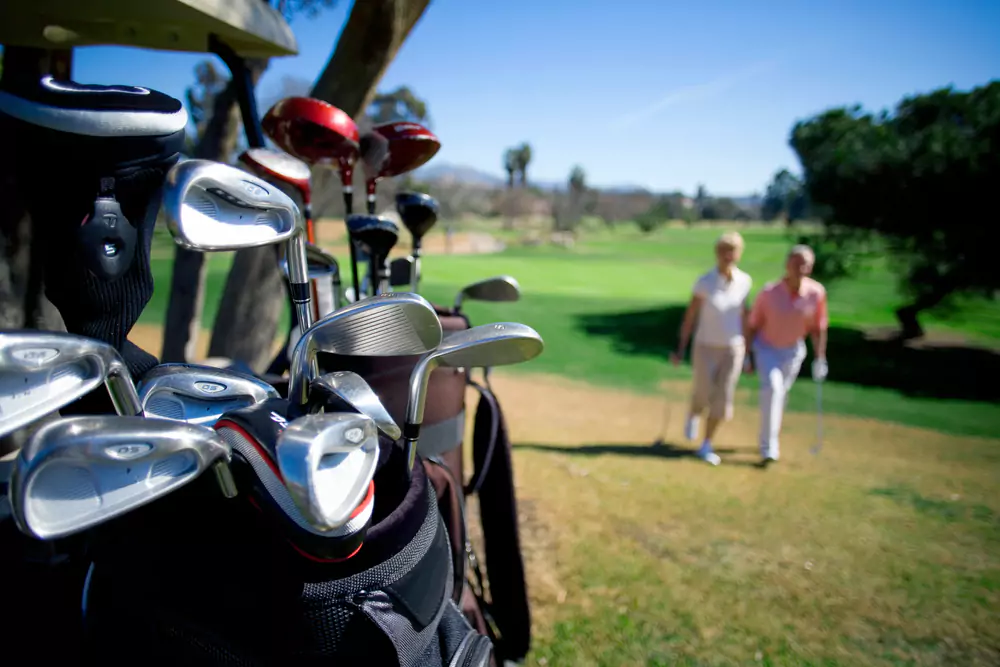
(330, 236)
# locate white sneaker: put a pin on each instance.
(708, 456)
(691, 428)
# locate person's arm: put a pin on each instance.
(819, 329)
(687, 326)
(747, 335)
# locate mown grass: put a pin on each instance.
(610, 307)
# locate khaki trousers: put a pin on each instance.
(716, 371)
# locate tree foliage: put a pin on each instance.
(515, 162)
(401, 104)
(921, 178)
(785, 197)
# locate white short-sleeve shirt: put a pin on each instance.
(720, 322)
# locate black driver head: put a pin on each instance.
(376, 235)
(419, 212)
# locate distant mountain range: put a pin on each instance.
(447, 173)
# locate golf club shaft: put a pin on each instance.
(224, 478)
(298, 280)
(415, 266)
(348, 209)
(410, 448)
(122, 390)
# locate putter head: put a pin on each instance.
(198, 394)
(277, 166)
(211, 206)
(498, 288)
(399, 271)
(411, 145)
(42, 371)
(351, 390)
(487, 345)
(385, 325)
(79, 472)
(313, 131)
(419, 212)
(376, 235)
(320, 264)
(328, 462)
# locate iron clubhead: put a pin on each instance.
(79, 472)
(327, 462)
(385, 325)
(351, 390)
(498, 288)
(211, 206)
(199, 394)
(498, 344)
(42, 371)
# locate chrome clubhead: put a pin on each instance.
(79, 472)
(498, 288)
(355, 394)
(42, 371)
(319, 264)
(386, 325)
(211, 206)
(328, 462)
(199, 394)
(498, 344)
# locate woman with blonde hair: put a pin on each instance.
(717, 317)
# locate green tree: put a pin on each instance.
(511, 164)
(399, 104)
(523, 160)
(785, 196)
(922, 179)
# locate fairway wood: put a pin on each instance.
(43, 371)
(411, 145)
(498, 288)
(376, 236)
(380, 326)
(211, 207)
(400, 272)
(498, 344)
(419, 212)
(198, 394)
(319, 134)
(328, 462)
(351, 390)
(79, 472)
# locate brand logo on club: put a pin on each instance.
(35, 355)
(254, 189)
(128, 452)
(278, 419)
(210, 387)
(499, 327)
(354, 435)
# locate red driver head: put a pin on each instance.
(315, 132)
(411, 145)
(275, 165)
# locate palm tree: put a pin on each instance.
(511, 164)
(523, 160)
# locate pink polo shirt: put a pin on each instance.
(782, 319)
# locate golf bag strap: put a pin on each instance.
(494, 480)
(441, 437)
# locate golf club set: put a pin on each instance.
(119, 475)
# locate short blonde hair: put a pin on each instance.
(802, 250)
(730, 239)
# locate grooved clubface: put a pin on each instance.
(199, 394)
(82, 471)
(328, 462)
(351, 388)
(43, 371)
(379, 326)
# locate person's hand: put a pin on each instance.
(676, 358)
(819, 369)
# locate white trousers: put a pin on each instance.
(777, 368)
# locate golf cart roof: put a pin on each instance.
(249, 27)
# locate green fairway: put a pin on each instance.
(610, 307)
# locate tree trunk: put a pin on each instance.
(187, 286)
(254, 295)
(909, 315)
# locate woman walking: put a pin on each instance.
(717, 316)
(783, 313)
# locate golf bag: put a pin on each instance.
(204, 580)
(503, 612)
(89, 162)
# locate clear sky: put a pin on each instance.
(657, 93)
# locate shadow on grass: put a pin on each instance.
(651, 450)
(940, 371)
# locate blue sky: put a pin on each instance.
(654, 93)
